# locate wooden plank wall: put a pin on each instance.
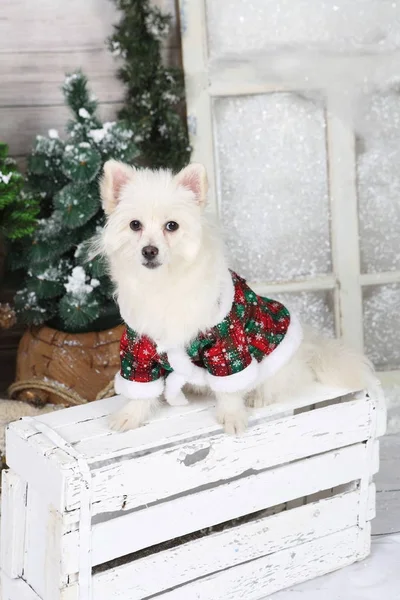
(41, 40)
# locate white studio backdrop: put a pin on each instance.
(294, 108)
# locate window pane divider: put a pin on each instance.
(344, 221)
(299, 285)
(380, 278)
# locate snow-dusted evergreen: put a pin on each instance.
(154, 93)
(61, 287)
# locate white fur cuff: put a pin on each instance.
(135, 390)
(284, 351)
(173, 386)
(237, 382)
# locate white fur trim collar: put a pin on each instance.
(173, 386)
(279, 357)
(134, 390)
(225, 299)
(237, 382)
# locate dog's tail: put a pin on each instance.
(334, 364)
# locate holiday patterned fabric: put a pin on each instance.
(253, 329)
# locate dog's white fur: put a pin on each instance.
(179, 298)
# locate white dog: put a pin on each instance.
(189, 319)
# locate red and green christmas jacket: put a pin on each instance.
(255, 339)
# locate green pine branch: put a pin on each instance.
(61, 286)
(154, 93)
(17, 211)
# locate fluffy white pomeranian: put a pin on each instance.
(189, 319)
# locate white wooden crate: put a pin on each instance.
(179, 510)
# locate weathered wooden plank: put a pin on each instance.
(102, 445)
(84, 418)
(173, 469)
(371, 502)
(54, 25)
(65, 420)
(191, 512)
(229, 548)
(30, 460)
(35, 79)
(42, 560)
(13, 509)
(16, 589)
(58, 26)
(264, 576)
(95, 446)
(19, 126)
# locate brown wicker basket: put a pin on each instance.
(79, 364)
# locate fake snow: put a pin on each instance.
(50, 274)
(79, 249)
(76, 284)
(381, 305)
(171, 98)
(5, 178)
(48, 228)
(277, 226)
(237, 27)
(72, 342)
(116, 49)
(82, 112)
(153, 28)
(70, 80)
(98, 135)
(53, 134)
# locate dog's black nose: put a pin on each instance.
(150, 252)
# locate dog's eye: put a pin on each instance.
(135, 225)
(171, 226)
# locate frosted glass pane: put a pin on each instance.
(271, 163)
(379, 184)
(237, 26)
(313, 308)
(382, 325)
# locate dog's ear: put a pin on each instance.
(115, 176)
(194, 178)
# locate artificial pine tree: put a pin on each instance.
(154, 93)
(62, 287)
(18, 211)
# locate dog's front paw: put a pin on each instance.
(178, 400)
(131, 416)
(234, 422)
(255, 399)
(124, 419)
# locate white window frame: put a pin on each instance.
(346, 281)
